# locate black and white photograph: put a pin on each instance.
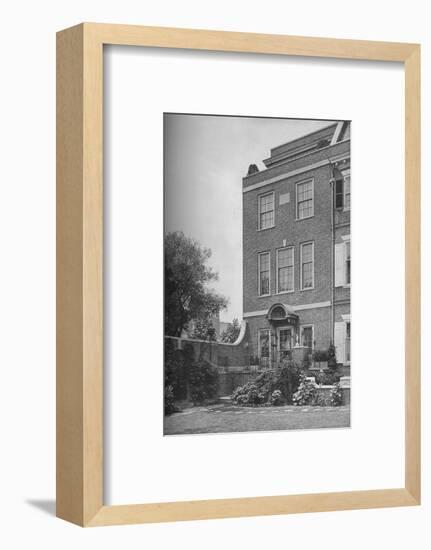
(178, 226)
(257, 267)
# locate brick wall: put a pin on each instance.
(290, 232)
(316, 228)
(320, 318)
(217, 353)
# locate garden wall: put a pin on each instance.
(218, 354)
(232, 360)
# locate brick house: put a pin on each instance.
(296, 247)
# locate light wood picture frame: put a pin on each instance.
(80, 460)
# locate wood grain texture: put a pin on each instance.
(246, 507)
(92, 273)
(80, 273)
(70, 434)
(79, 276)
(413, 275)
(134, 35)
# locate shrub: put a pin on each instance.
(289, 377)
(306, 393)
(203, 381)
(336, 396)
(326, 378)
(169, 400)
(176, 369)
(285, 380)
(320, 355)
(276, 398)
(255, 397)
(249, 394)
(332, 359)
(321, 399)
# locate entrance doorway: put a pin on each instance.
(284, 342)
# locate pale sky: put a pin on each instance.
(206, 158)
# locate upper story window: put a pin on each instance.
(285, 275)
(304, 199)
(342, 191)
(346, 176)
(266, 211)
(307, 265)
(264, 273)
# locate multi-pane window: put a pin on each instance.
(339, 193)
(266, 211)
(307, 336)
(346, 190)
(304, 200)
(342, 191)
(307, 265)
(264, 273)
(284, 342)
(285, 268)
(264, 343)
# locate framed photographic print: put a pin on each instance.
(212, 190)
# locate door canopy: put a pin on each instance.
(281, 312)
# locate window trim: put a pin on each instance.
(258, 341)
(259, 254)
(290, 328)
(346, 239)
(276, 270)
(347, 284)
(339, 193)
(297, 218)
(259, 228)
(344, 174)
(300, 265)
(307, 325)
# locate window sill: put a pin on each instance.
(266, 228)
(285, 292)
(264, 295)
(308, 288)
(306, 218)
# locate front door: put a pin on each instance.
(285, 338)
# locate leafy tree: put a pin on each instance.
(203, 329)
(231, 333)
(187, 275)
